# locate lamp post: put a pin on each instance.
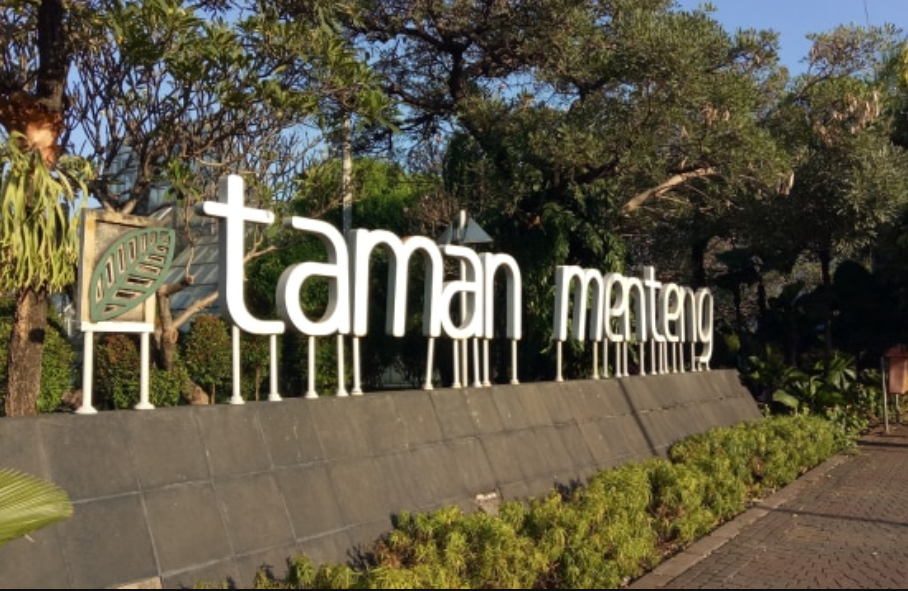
(462, 231)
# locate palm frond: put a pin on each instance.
(28, 503)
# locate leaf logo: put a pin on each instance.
(130, 272)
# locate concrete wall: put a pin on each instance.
(175, 496)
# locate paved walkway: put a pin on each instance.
(843, 525)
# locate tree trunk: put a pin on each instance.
(698, 262)
(39, 115)
(26, 351)
(739, 314)
(167, 342)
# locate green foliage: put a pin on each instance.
(680, 508)
(56, 364)
(255, 356)
(118, 373)
(38, 229)
(208, 353)
(834, 387)
(28, 503)
(165, 388)
(600, 535)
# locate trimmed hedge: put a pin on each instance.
(614, 528)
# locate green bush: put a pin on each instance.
(208, 354)
(56, 364)
(680, 509)
(118, 373)
(614, 528)
(166, 387)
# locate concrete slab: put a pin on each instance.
(434, 468)
(168, 445)
(290, 436)
(534, 405)
(577, 448)
(553, 455)
(233, 439)
(106, 543)
(376, 416)
(605, 398)
(311, 500)
(453, 413)
(417, 413)
(505, 457)
(362, 490)
(484, 411)
(254, 512)
(187, 527)
(340, 437)
(471, 463)
(39, 548)
(248, 483)
(406, 485)
(23, 447)
(560, 407)
(78, 471)
(512, 411)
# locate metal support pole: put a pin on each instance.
(237, 396)
(144, 403)
(311, 393)
(272, 376)
(88, 362)
(885, 395)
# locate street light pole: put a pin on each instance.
(347, 188)
(462, 231)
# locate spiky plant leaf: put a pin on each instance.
(38, 229)
(28, 503)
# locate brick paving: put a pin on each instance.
(843, 525)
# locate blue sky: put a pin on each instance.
(793, 19)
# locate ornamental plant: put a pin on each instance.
(601, 534)
(207, 353)
(28, 503)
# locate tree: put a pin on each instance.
(39, 251)
(849, 176)
(571, 126)
(171, 95)
(386, 195)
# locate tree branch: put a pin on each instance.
(639, 199)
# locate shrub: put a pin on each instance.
(207, 352)
(602, 534)
(116, 371)
(56, 364)
(118, 374)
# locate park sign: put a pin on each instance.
(608, 309)
(124, 259)
(624, 309)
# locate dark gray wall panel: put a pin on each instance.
(186, 495)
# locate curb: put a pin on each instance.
(676, 564)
